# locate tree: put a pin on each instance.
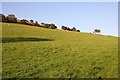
(78, 30)
(97, 31)
(64, 28)
(36, 23)
(2, 18)
(68, 29)
(11, 18)
(42, 23)
(73, 29)
(31, 21)
(52, 26)
(23, 21)
(46, 25)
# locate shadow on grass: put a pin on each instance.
(23, 39)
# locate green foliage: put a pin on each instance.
(11, 18)
(36, 23)
(51, 26)
(67, 28)
(23, 21)
(32, 21)
(73, 29)
(78, 30)
(32, 52)
(97, 31)
(2, 18)
(64, 28)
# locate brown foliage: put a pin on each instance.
(11, 18)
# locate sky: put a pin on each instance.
(85, 16)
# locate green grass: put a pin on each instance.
(32, 52)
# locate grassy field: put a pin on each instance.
(32, 52)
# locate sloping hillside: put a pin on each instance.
(30, 52)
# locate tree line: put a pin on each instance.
(11, 18)
(67, 28)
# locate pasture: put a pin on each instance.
(33, 52)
